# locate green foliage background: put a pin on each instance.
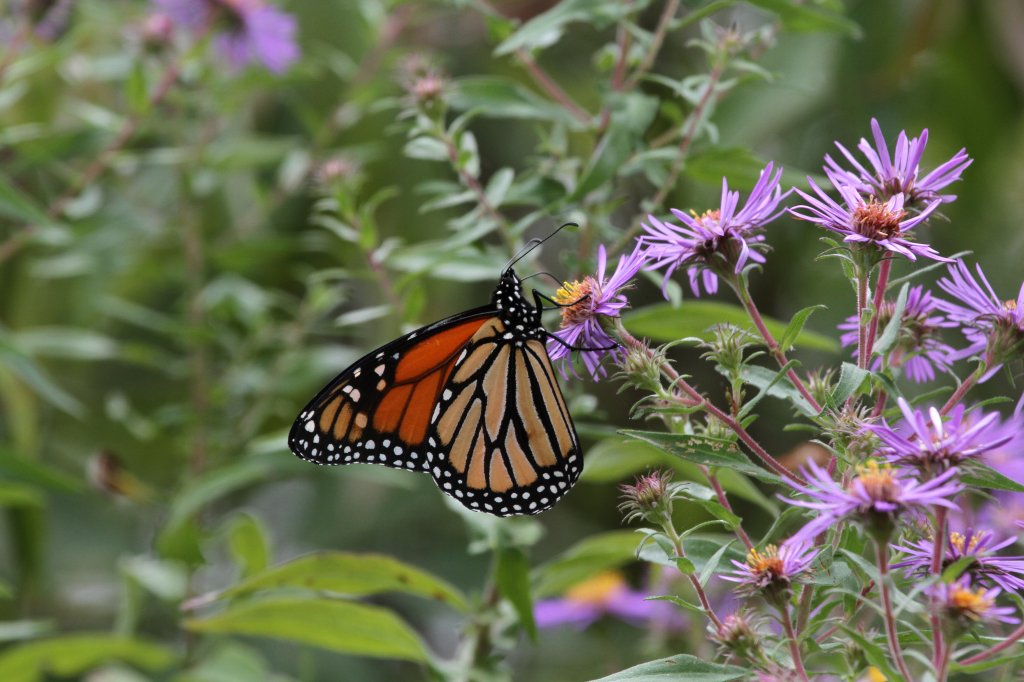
(189, 301)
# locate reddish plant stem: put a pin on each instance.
(742, 290)
(724, 501)
(862, 332)
(890, 619)
(677, 543)
(542, 79)
(878, 301)
(961, 391)
(1010, 640)
(938, 550)
(794, 646)
(880, 399)
(696, 399)
(667, 14)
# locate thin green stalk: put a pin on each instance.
(888, 615)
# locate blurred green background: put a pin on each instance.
(166, 329)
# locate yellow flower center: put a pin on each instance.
(878, 480)
(971, 603)
(576, 297)
(1010, 305)
(875, 221)
(958, 541)
(713, 216)
(767, 563)
(597, 589)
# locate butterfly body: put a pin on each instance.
(472, 400)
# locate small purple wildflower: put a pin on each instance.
(898, 174)
(931, 442)
(985, 568)
(605, 593)
(772, 570)
(249, 30)
(720, 240)
(966, 605)
(583, 303)
(884, 225)
(875, 496)
(918, 348)
(993, 327)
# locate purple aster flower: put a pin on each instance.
(993, 326)
(966, 605)
(249, 30)
(986, 568)
(875, 497)
(918, 348)
(773, 570)
(583, 302)
(931, 442)
(884, 225)
(605, 593)
(898, 174)
(723, 240)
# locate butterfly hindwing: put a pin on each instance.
(378, 410)
(501, 439)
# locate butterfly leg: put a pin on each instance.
(579, 348)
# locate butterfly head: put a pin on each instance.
(515, 311)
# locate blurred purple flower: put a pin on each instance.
(717, 239)
(875, 497)
(918, 349)
(986, 568)
(898, 174)
(884, 225)
(993, 326)
(774, 569)
(248, 30)
(583, 302)
(933, 442)
(605, 593)
(963, 603)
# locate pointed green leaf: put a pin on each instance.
(584, 559)
(74, 655)
(796, 326)
(850, 379)
(513, 579)
(341, 626)
(679, 668)
(983, 476)
(714, 452)
(351, 574)
(664, 322)
(887, 340)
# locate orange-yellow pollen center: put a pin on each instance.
(767, 562)
(710, 216)
(876, 221)
(1010, 305)
(971, 603)
(959, 541)
(878, 480)
(576, 297)
(597, 589)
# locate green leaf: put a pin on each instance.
(809, 17)
(546, 28)
(18, 206)
(738, 164)
(796, 325)
(714, 452)
(340, 626)
(776, 385)
(513, 579)
(65, 342)
(664, 322)
(19, 495)
(498, 97)
(706, 498)
(15, 630)
(74, 655)
(981, 475)
(850, 379)
(887, 340)
(766, 388)
(583, 560)
(351, 574)
(679, 668)
(712, 563)
(426, 148)
(37, 473)
(247, 541)
(136, 90)
(953, 571)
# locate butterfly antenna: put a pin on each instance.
(543, 272)
(533, 244)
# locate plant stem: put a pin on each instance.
(667, 14)
(724, 501)
(696, 399)
(794, 646)
(1010, 640)
(13, 48)
(677, 543)
(938, 550)
(742, 289)
(890, 619)
(961, 391)
(878, 301)
(863, 353)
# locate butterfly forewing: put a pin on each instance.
(378, 410)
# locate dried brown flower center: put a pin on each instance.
(875, 220)
(577, 298)
(878, 481)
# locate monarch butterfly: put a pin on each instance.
(472, 400)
